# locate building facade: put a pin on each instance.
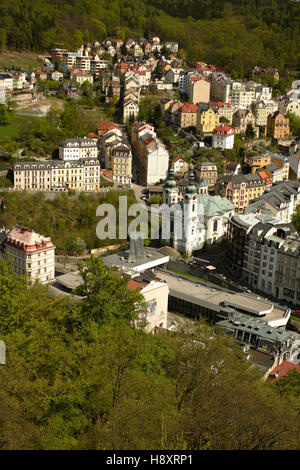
(223, 137)
(58, 175)
(278, 126)
(32, 254)
(74, 149)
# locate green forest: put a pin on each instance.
(64, 218)
(78, 376)
(235, 35)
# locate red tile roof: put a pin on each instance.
(135, 285)
(179, 157)
(105, 126)
(223, 129)
(149, 140)
(107, 173)
(264, 176)
(283, 369)
(188, 108)
(27, 240)
(219, 104)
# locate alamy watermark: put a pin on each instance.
(177, 220)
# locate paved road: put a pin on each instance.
(137, 189)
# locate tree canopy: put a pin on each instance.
(76, 378)
(236, 35)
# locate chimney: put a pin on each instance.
(136, 250)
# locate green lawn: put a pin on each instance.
(14, 127)
(293, 317)
(94, 115)
(20, 61)
(4, 166)
(193, 277)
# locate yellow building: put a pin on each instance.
(122, 164)
(58, 175)
(207, 119)
(81, 175)
(137, 50)
(256, 186)
(278, 126)
(261, 161)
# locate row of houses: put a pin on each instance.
(264, 251)
(58, 175)
(152, 157)
(132, 89)
(205, 117)
(243, 190)
(115, 152)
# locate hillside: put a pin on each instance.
(236, 35)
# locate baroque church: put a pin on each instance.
(197, 219)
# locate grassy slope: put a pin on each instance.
(15, 126)
(24, 60)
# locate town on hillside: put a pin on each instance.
(131, 118)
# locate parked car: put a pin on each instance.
(247, 290)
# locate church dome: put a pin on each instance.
(202, 184)
(191, 188)
(170, 182)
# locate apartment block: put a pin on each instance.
(153, 157)
(31, 254)
(75, 149)
(278, 126)
(58, 175)
(207, 118)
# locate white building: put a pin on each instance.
(263, 110)
(262, 244)
(152, 155)
(130, 109)
(293, 107)
(204, 218)
(172, 46)
(56, 76)
(80, 76)
(223, 137)
(173, 75)
(6, 82)
(32, 254)
(238, 93)
(156, 162)
(179, 164)
(75, 149)
(156, 294)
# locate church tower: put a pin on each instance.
(193, 236)
(170, 191)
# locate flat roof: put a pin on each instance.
(256, 326)
(70, 280)
(212, 297)
(151, 258)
